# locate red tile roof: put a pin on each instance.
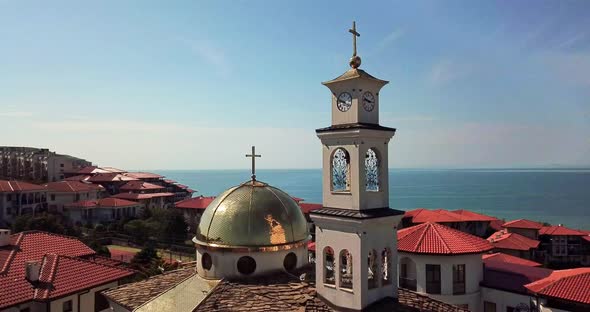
(71, 186)
(18, 186)
(311, 246)
(96, 169)
(135, 196)
(434, 238)
(511, 277)
(309, 207)
(523, 224)
(506, 240)
(200, 202)
(570, 285)
(61, 267)
(297, 199)
(467, 215)
(110, 177)
(586, 238)
(438, 215)
(103, 202)
(63, 273)
(143, 175)
(497, 225)
(422, 215)
(502, 257)
(140, 186)
(82, 177)
(559, 230)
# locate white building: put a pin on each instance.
(443, 263)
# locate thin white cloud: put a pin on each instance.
(389, 39)
(211, 54)
(16, 114)
(447, 71)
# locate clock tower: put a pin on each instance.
(356, 231)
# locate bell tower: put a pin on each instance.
(356, 231)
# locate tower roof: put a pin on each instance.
(434, 238)
(355, 73)
(253, 214)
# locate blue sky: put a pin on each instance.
(191, 85)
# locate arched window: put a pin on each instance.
(340, 171)
(290, 262)
(372, 170)
(206, 261)
(329, 266)
(246, 265)
(386, 266)
(345, 269)
(372, 267)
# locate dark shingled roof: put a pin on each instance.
(284, 292)
(134, 295)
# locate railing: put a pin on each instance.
(407, 283)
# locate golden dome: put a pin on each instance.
(253, 214)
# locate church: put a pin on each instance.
(251, 242)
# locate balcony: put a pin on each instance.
(407, 283)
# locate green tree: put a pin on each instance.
(137, 229)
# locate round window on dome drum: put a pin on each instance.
(206, 261)
(290, 262)
(246, 265)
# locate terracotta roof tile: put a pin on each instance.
(143, 175)
(559, 230)
(200, 202)
(110, 177)
(109, 202)
(51, 249)
(81, 177)
(496, 225)
(71, 186)
(140, 186)
(434, 238)
(135, 196)
(510, 276)
(467, 215)
(309, 207)
(570, 285)
(523, 224)
(506, 240)
(502, 257)
(422, 215)
(18, 186)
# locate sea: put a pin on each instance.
(556, 196)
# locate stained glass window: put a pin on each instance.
(372, 265)
(329, 266)
(340, 171)
(372, 170)
(386, 266)
(345, 269)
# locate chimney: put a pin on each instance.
(4, 237)
(32, 271)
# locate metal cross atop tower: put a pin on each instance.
(354, 35)
(253, 156)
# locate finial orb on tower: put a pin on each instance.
(355, 60)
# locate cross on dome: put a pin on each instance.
(355, 60)
(253, 156)
(354, 35)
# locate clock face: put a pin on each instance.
(368, 101)
(344, 101)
